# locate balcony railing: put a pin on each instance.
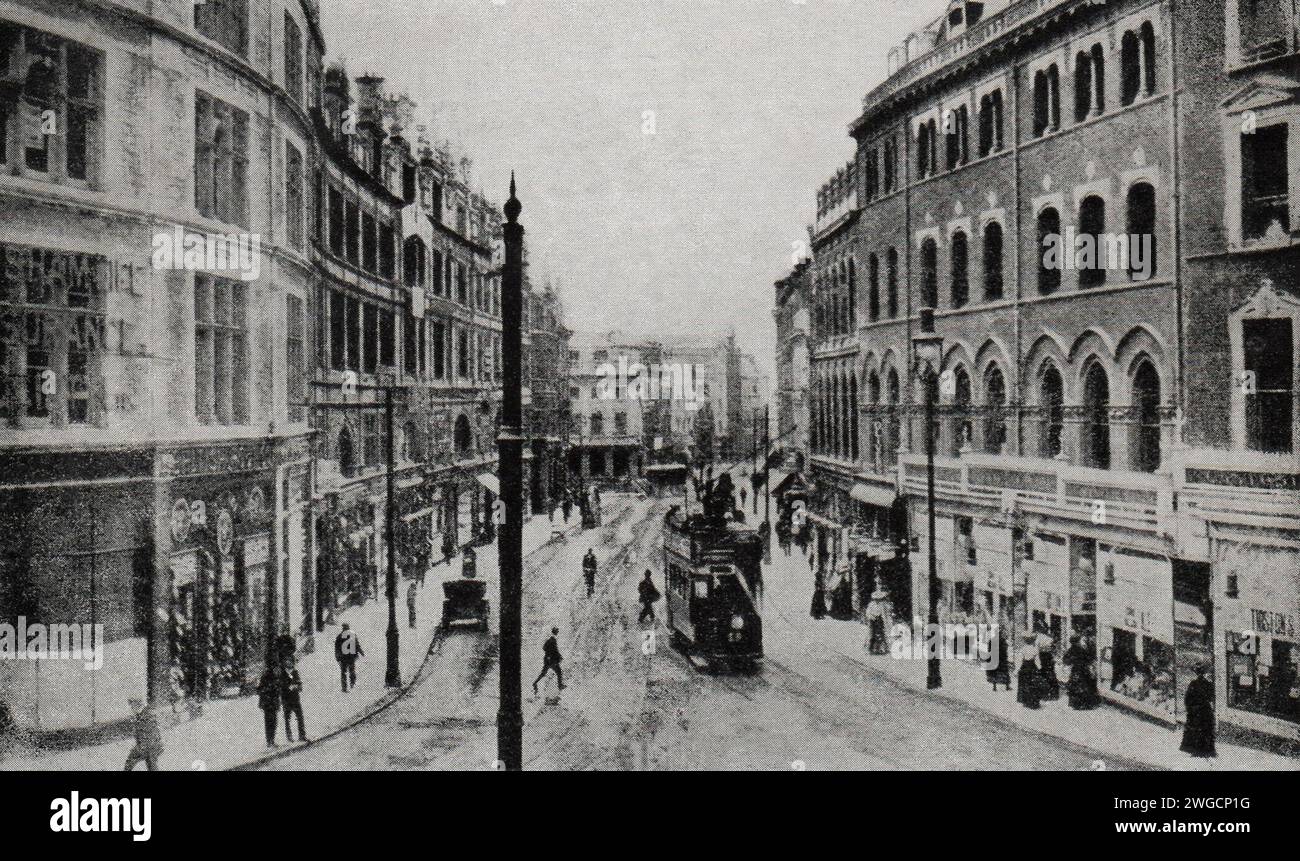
(986, 31)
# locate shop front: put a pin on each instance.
(1048, 590)
(1257, 625)
(994, 578)
(1135, 631)
(222, 577)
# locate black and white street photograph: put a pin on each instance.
(651, 386)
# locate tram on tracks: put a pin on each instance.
(713, 570)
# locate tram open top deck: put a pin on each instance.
(700, 541)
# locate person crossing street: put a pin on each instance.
(589, 571)
(648, 596)
(551, 660)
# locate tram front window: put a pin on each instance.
(701, 587)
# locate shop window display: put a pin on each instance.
(1262, 675)
(1146, 677)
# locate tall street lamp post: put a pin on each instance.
(510, 448)
(928, 349)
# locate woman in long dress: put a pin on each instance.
(1027, 679)
(1051, 685)
(1001, 673)
(1198, 733)
(1081, 688)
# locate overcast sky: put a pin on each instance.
(681, 231)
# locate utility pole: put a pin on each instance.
(510, 718)
(753, 420)
(393, 673)
(767, 444)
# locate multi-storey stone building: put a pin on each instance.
(155, 287)
(547, 411)
(793, 326)
(219, 262)
(1115, 443)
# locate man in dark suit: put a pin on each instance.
(291, 700)
(551, 659)
(347, 648)
(148, 738)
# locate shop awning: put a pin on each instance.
(489, 481)
(873, 494)
(795, 482)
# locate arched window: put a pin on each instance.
(960, 265)
(1130, 68)
(1082, 86)
(1051, 401)
(990, 123)
(413, 262)
(1098, 79)
(875, 441)
(464, 436)
(891, 282)
(1047, 100)
(963, 431)
(1146, 404)
(346, 452)
(1147, 35)
(958, 148)
(992, 261)
(1049, 266)
(922, 150)
(1092, 227)
(1096, 423)
(995, 399)
(873, 287)
(892, 434)
(1142, 230)
(929, 274)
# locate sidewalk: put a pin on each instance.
(1108, 730)
(229, 733)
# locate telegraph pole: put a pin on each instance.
(767, 455)
(393, 673)
(510, 718)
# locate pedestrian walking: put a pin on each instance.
(567, 508)
(1051, 685)
(410, 604)
(448, 547)
(744, 495)
(148, 738)
(1000, 673)
(551, 660)
(878, 615)
(589, 571)
(1027, 679)
(347, 648)
(268, 700)
(648, 595)
(1081, 687)
(1198, 733)
(291, 699)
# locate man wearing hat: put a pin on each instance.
(878, 614)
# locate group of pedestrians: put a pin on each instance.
(280, 688)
